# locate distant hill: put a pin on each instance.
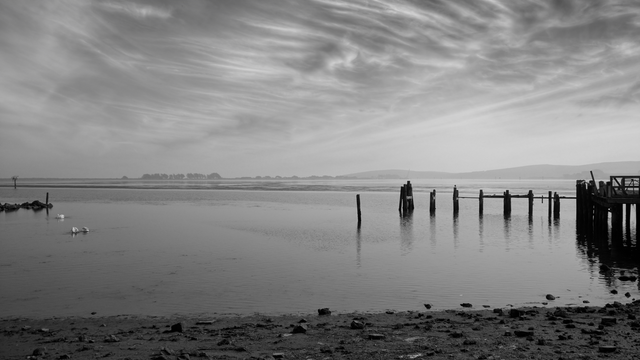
(600, 171)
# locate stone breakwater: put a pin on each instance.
(34, 205)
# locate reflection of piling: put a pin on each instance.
(358, 205)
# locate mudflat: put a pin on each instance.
(610, 332)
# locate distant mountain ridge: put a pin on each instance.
(543, 171)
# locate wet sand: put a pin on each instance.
(610, 332)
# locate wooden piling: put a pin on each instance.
(530, 196)
(410, 205)
(432, 202)
(616, 222)
(47, 200)
(402, 196)
(481, 202)
(358, 205)
(456, 201)
(550, 202)
(627, 219)
(507, 203)
(556, 206)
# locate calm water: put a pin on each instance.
(161, 248)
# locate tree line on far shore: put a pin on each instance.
(189, 176)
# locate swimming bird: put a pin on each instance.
(74, 230)
(60, 216)
(85, 229)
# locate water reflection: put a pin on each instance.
(358, 245)
(456, 241)
(432, 229)
(481, 231)
(406, 232)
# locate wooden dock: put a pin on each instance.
(597, 203)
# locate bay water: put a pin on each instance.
(292, 246)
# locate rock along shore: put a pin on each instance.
(611, 332)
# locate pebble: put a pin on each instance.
(299, 329)
(376, 336)
(324, 311)
(550, 297)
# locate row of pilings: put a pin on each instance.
(602, 217)
(407, 205)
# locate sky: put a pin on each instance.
(112, 88)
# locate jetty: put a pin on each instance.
(596, 203)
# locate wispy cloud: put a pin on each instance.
(313, 78)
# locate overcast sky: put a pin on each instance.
(314, 87)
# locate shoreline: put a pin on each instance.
(580, 332)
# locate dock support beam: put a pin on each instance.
(481, 202)
(556, 206)
(550, 202)
(530, 195)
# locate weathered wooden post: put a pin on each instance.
(47, 200)
(410, 205)
(15, 181)
(616, 222)
(481, 202)
(402, 195)
(530, 195)
(358, 204)
(456, 202)
(556, 205)
(432, 202)
(627, 218)
(506, 203)
(550, 201)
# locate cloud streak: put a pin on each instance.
(281, 87)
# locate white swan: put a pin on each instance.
(74, 230)
(60, 216)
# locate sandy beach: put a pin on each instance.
(610, 332)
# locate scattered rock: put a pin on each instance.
(466, 305)
(627, 294)
(607, 348)
(278, 355)
(608, 320)
(355, 324)
(376, 337)
(614, 291)
(456, 334)
(550, 297)
(428, 306)
(179, 327)
(469, 342)
(515, 313)
(324, 311)
(224, 342)
(41, 351)
(299, 329)
(205, 322)
(523, 333)
(111, 339)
